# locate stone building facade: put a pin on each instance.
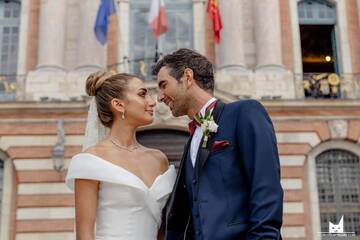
(265, 53)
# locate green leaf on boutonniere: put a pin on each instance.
(198, 119)
(207, 113)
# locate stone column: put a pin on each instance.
(91, 54)
(51, 34)
(199, 12)
(230, 51)
(358, 8)
(271, 79)
(268, 33)
(232, 75)
(48, 80)
(123, 15)
(22, 50)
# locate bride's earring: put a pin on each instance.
(123, 115)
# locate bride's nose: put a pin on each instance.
(151, 102)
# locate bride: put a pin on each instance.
(120, 186)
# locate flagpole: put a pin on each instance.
(156, 51)
(156, 57)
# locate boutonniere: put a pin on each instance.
(208, 125)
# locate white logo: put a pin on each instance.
(337, 228)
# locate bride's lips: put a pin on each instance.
(151, 112)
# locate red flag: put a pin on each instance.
(214, 13)
(157, 18)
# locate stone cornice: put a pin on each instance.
(348, 109)
(58, 106)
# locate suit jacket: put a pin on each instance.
(238, 186)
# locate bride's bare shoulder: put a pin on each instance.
(159, 156)
(98, 149)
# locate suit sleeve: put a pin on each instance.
(259, 155)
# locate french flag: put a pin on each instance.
(157, 18)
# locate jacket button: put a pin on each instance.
(197, 215)
(198, 233)
(194, 181)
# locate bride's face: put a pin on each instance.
(139, 107)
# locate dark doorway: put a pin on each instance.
(318, 48)
(171, 142)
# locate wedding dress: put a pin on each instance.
(127, 208)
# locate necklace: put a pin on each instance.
(130, 148)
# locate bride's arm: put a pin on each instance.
(86, 200)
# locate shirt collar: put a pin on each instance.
(203, 109)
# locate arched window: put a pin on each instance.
(9, 35)
(143, 45)
(338, 180)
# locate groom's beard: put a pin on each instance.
(180, 105)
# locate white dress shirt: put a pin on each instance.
(198, 134)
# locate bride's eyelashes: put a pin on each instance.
(143, 93)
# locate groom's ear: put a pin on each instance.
(188, 77)
(118, 105)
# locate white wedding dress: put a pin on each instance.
(127, 208)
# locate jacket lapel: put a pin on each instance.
(204, 152)
(184, 156)
(179, 182)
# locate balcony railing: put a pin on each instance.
(141, 67)
(316, 85)
(322, 85)
(9, 87)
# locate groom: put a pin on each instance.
(228, 185)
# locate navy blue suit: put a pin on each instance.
(233, 192)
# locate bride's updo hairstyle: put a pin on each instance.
(105, 86)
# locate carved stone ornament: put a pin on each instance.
(338, 129)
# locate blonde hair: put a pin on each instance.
(105, 86)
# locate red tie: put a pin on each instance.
(192, 126)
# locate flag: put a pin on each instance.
(157, 18)
(214, 13)
(106, 9)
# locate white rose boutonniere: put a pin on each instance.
(208, 126)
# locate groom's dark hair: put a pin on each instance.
(184, 58)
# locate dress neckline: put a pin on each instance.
(129, 172)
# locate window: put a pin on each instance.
(316, 12)
(143, 45)
(319, 51)
(9, 35)
(338, 180)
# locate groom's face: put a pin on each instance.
(172, 92)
